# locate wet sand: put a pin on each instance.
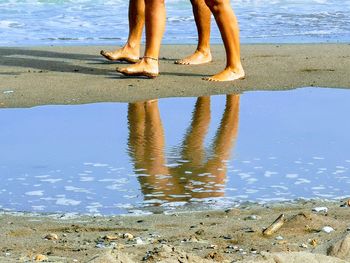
(233, 235)
(74, 75)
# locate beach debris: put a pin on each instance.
(311, 230)
(212, 246)
(110, 238)
(346, 203)
(51, 236)
(341, 249)
(279, 238)
(40, 257)
(275, 226)
(128, 236)
(252, 217)
(313, 242)
(7, 92)
(327, 229)
(303, 245)
(320, 209)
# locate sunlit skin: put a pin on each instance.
(155, 24)
(130, 52)
(202, 54)
(228, 26)
(155, 21)
(146, 144)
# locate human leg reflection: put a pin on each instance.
(193, 175)
(206, 178)
(146, 145)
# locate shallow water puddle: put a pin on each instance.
(188, 153)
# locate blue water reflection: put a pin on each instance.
(189, 153)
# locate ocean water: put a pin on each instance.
(113, 158)
(87, 22)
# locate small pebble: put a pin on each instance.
(320, 209)
(327, 229)
(303, 245)
(51, 236)
(109, 237)
(279, 238)
(212, 246)
(40, 257)
(128, 236)
(8, 92)
(313, 242)
(100, 245)
(138, 241)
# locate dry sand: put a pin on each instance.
(73, 75)
(208, 236)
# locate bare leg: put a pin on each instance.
(202, 17)
(155, 24)
(228, 25)
(131, 50)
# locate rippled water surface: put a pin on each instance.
(191, 153)
(85, 22)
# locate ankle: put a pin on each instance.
(132, 47)
(150, 60)
(205, 51)
(236, 68)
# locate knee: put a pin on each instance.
(214, 5)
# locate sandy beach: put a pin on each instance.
(233, 235)
(74, 75)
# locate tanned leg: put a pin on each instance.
(155, 24)
(202, 18)
(130, 52)
(228, 25)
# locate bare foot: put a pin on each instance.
(197, 58)
(126, 53)
(147, 67)
(227, 74)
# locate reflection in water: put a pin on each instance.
(197, 173)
